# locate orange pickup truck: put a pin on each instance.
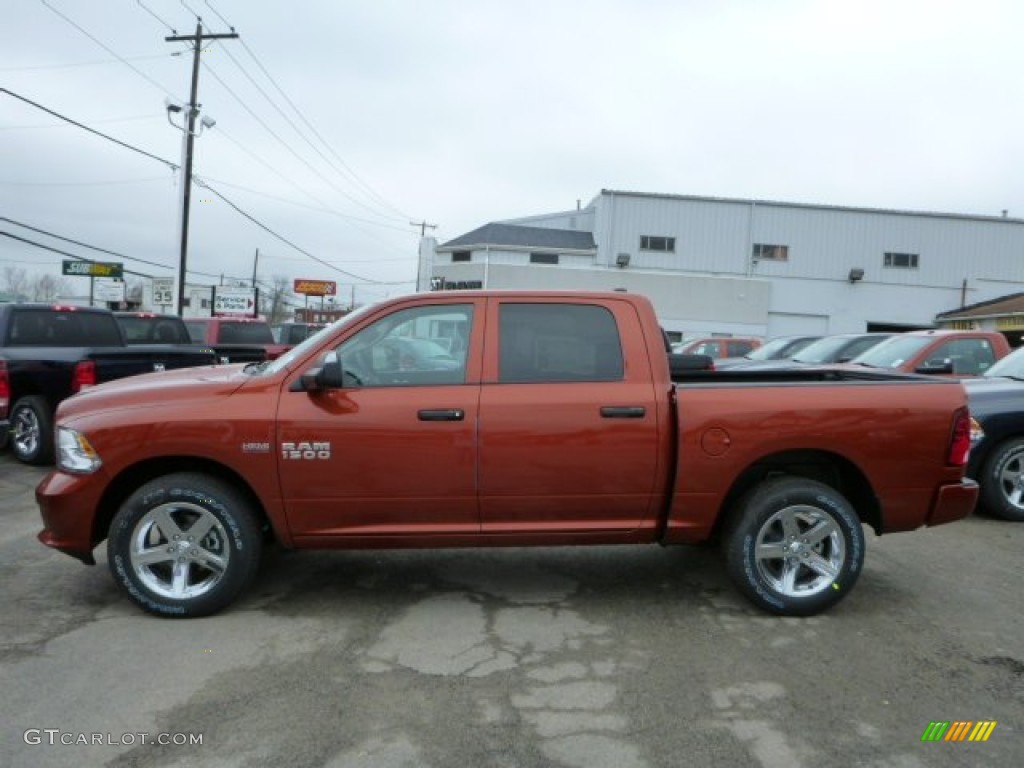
(476, 418)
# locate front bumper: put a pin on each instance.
(69, 505)
(954, 502)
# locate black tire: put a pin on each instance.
(794, 546)
(31, 434)
(167, 566)
(1002, 481)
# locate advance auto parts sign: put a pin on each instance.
(234, 301)
(316, 287)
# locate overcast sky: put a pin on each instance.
(462, 113)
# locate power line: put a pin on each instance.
(80, 243)
(283, 239)
(104, 250)
(369, 190)
(303, 136)
(109, 50)
(63, 253)
(354, 177)
(217, 13)
(322, 209)
(205, 185)
(288, 146)
(77, 124)
(147, 10)
(94, 63)
(41, 126)
(121, 182)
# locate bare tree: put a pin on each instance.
(47, 287)
(133, 290)
(16, 282)
(274, 299)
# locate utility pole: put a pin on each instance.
(193, 110)
(419, 256)
(423, 227)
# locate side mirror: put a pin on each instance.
(328, 376)
(936, 367)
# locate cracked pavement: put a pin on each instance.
(606, 657)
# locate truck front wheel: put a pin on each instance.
(184, 545)
(794, 546)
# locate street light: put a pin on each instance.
(189, 133)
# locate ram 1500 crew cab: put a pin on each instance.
(471, 418)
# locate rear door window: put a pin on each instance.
(550, 342)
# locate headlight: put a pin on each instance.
(75, 454)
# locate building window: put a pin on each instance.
(771, 252)
(543, 258)
(653, 243)
(462, 256)
(204, 303)
(902, 260)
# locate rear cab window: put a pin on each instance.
(552, 342)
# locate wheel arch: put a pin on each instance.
(835, 471)
(133, 477)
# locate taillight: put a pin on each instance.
(960, 438)
(84, 376)
(5, 390)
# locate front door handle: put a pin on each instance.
(623, 411)
(442, 414)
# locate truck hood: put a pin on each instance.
(995, 394)
(151, 389)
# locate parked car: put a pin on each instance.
(48, 352)
(236, 339)
(937, 352)
(152, 328)
(839, 348)
(560, 426)
(996, 400)
(778, 348)
(717, 346)
(295, 333)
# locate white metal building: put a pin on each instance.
(746, 267)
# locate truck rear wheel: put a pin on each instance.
(31, 433)
(794, 546)
(1002, 481)
(184, 545)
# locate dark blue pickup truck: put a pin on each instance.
(49, 352)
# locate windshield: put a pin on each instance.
(825, 350)
(1011, 366)
(770, 350)
(782, 347)
(894, 352)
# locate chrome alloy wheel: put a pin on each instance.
(26, 432)
(799, 551)
(1011, 480)
(179, 550)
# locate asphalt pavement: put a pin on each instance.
(607, 657)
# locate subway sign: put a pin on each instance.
(316, 287)
(93, 268)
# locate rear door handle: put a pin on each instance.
(442, 414)
(623, 411)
